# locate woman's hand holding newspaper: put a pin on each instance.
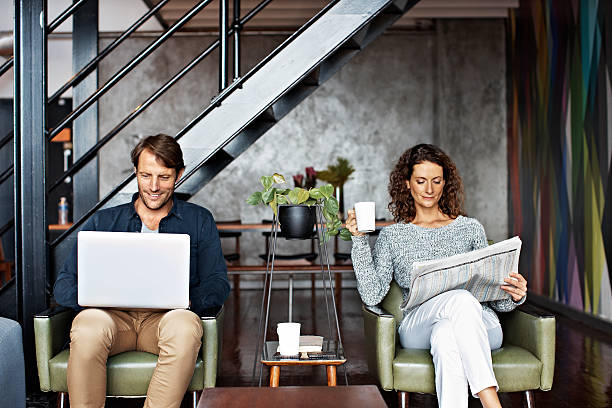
(517, 287)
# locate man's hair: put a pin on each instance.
(164, 147)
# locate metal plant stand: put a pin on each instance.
(326, 279)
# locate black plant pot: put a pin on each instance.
(296, 221)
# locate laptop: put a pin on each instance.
(133, 270)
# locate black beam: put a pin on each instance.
(237, 29)
(223, 49)
(85, 127)
(31, 250)
(158, 15)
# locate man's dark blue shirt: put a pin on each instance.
(208, 283)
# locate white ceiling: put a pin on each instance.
(117, 15)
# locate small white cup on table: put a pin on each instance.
(288, 338)
(365, 212)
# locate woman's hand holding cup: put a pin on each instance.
(351, 224)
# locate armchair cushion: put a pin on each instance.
(516, 369)
(129, 373)
(413, 370)
(525, 361)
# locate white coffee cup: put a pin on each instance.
(365, 212)
(288, 338)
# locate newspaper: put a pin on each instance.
(481, 272)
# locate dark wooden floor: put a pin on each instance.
(583, 372)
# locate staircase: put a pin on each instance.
(252, 105)
(235, 119)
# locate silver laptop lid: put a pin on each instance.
(133, 270)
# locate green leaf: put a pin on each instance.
(316, 193)
(327, 190)
(331, 205)
(310, 202)
(293, 196)
(332, 231)
(345, 234)
(278, 178)
(268, 195)
(336, 224)
(281, 199)
(266, 182)
(303, 195)
(327, 215)
(255, 198)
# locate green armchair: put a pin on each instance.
(525, 361)
(128, 374)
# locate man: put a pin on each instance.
(174, 335)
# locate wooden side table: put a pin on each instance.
(266, 355)
(330, 348)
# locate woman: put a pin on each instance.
(426, 201)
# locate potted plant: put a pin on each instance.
(296, 209)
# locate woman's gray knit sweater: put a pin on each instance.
(399, 245)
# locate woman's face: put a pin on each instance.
(426, 184)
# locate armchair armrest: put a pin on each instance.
(51, 331)
(379, 328)
(533, 329)
(212, 323)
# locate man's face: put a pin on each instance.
(155, 181)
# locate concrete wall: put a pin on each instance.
(445, 86)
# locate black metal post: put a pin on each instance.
(237, 29)
(223, 50)
(31, 250)
(85, 126)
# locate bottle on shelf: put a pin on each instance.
(62, 211)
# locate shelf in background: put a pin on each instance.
(59, 227)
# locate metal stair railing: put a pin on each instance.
(91, 65)
(86, 70)
(127, 68)
(214, 103)
(92, 152)
(8, 64)
(224, 33)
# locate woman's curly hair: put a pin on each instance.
(402, 204)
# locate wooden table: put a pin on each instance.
(353, 396)
(274, 361)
